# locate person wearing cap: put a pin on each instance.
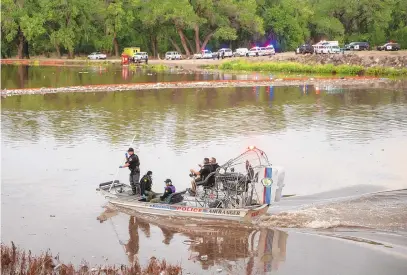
(200, 175)
(168, 190)
(145, 184)
(133, 162)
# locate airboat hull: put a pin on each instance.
(182, 210)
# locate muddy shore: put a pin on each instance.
(366, 59)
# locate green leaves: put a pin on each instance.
(158, 26)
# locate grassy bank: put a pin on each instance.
(293, 67)
(15, 261)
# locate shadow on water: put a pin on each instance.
(209, 245)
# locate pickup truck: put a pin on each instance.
(140, 57)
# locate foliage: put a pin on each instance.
(293, 67)
(43, 27)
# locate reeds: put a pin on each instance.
(15, 261)
(294, 67)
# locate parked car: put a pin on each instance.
(197, 56)
(172, 55)
(227, 52)
(269, 50)
(305, 48)
(357, 46)
(255, 51)
(241, 52)
(97, 55)
(326, 47)
(140, 57)
(389, 47)
(206, 54)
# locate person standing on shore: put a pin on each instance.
(133, 163)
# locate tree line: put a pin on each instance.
(72, 27)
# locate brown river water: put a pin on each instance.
(344, 151)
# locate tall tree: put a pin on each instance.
(21, 22)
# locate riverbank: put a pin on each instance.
(297, 67)
(340, 82)
(366, 59)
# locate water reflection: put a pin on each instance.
(233, 247)
(24, 76)
(183, 116)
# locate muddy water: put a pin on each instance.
(22, 76)
(56, 148)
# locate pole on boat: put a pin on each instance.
(118, 169)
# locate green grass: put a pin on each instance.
(293, 67)
(157, 68)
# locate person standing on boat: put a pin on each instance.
(133, 163)
(168, 190)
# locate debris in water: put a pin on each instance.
(219, 270)
(204, 257)
(52, 216)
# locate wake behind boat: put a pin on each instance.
(242, 189)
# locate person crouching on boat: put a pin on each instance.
(145, 183)
(199, 175)
(168, 190)
(133, 163)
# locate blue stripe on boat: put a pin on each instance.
(267, 190)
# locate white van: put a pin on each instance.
(227, 52)
(241, 52)
(326, 47)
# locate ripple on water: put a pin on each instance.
(384, 211)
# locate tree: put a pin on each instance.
(21, 22)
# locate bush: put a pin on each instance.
(15, 261)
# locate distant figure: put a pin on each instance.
(133, 163)
(249, 170)
(146, 59)
(168, 190)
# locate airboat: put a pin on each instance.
(242, 190)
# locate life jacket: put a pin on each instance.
(172, 187)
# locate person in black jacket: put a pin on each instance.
(200, 175)
(145, 184)
(214, 164)
(133, 162)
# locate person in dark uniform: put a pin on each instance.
(200, 175)
(145, 184)
(214, 164)
(133, 163)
